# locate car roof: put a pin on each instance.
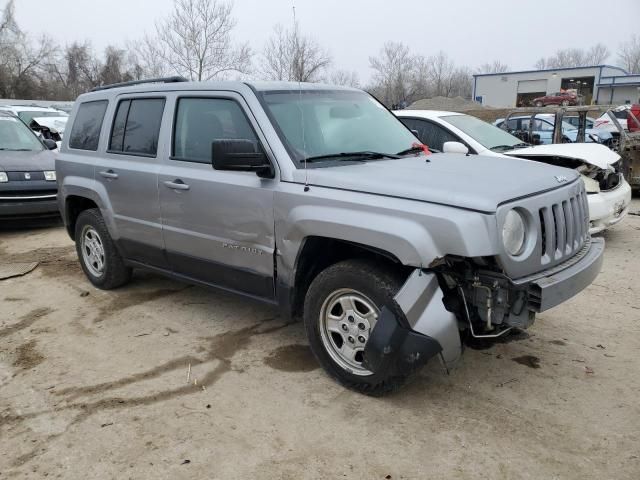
(27, 108)
(428, 114)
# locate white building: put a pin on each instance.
(598, 84)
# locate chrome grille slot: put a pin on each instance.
(563, 228)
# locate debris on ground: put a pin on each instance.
(10, 270)
(588, 370)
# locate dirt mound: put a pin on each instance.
(454, 104)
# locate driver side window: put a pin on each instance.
(432, 135)
(200, 121)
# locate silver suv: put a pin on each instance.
(317, 199)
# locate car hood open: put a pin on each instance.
(472, 182)
(591, 153)
(54, 123)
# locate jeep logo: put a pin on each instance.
(27, 176)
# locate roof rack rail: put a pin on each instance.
(140, 82)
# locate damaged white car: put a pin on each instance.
(451, 132)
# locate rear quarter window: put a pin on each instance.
(85, 133)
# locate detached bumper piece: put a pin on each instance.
(393, 349)
(565, 280)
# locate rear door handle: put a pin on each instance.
(176, 185)
(108, 174)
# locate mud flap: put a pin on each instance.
(393, 349)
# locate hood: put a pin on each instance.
(472, 182)
(591, 153)
(54, 123)
(26, 161)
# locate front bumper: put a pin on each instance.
(556, 285)
(29, 206)
(608, 208)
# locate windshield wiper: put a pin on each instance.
(508, 147)
(350, 156)
(411, 150)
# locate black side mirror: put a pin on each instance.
(240, 156)
(50, 144)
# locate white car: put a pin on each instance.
(604, 121)
(609, 193)
(46, 122)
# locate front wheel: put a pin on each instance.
(539, 104)
(99, 258)
(341, 309)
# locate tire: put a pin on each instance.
(565, 103)
(539, 104)
(369, 286)
(98, 256)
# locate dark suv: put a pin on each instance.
(27, 171)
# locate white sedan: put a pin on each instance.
(609, 193)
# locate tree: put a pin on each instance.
(629, 54)
(291, 56)
(345, 78)
(147, 58)
(196, 40)
(494, 67)
(393, 73)
(575, 57)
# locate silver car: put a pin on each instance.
(317, 199)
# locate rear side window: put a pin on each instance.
(85, 133)
(200, 121)
(136, 126)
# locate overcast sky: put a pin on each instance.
(472, 32)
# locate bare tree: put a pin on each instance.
(291, 56)
(629, 54)
(494, 67)
(345, 78)
(441, 70)
(393, 73)
(147, 58)
(575, 57)
(196, 40)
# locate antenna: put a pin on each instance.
(296, 71)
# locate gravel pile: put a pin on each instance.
(454, 104)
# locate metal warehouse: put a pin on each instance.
(598, 84)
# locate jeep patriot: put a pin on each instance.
(317, 199)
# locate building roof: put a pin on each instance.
(552, 70)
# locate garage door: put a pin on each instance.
(531, 86)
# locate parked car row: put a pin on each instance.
(609, 194)
(48, 123)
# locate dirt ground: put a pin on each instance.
(93, 384)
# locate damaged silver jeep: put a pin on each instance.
(317, 199)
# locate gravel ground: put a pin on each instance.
(93, 384)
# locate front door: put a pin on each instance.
(129, 174)
(218, 226)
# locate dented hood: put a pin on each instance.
(591, 153)
(472, 182)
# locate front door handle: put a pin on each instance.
(176, 185)
(108, 174)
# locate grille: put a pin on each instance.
(564, 227)
(20, 176)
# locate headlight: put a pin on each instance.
(513, 233)
(3, 177)
(50, 175)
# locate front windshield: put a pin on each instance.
(14, 135)
(28, 115)
(319, 123)
(487, 135)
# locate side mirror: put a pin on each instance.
(240, 156)
(50, 144)
(454, 147)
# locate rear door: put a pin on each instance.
(218, 226)
(129, 173)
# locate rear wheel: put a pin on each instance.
(341, 309)
(539, 104)
(99, 258)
